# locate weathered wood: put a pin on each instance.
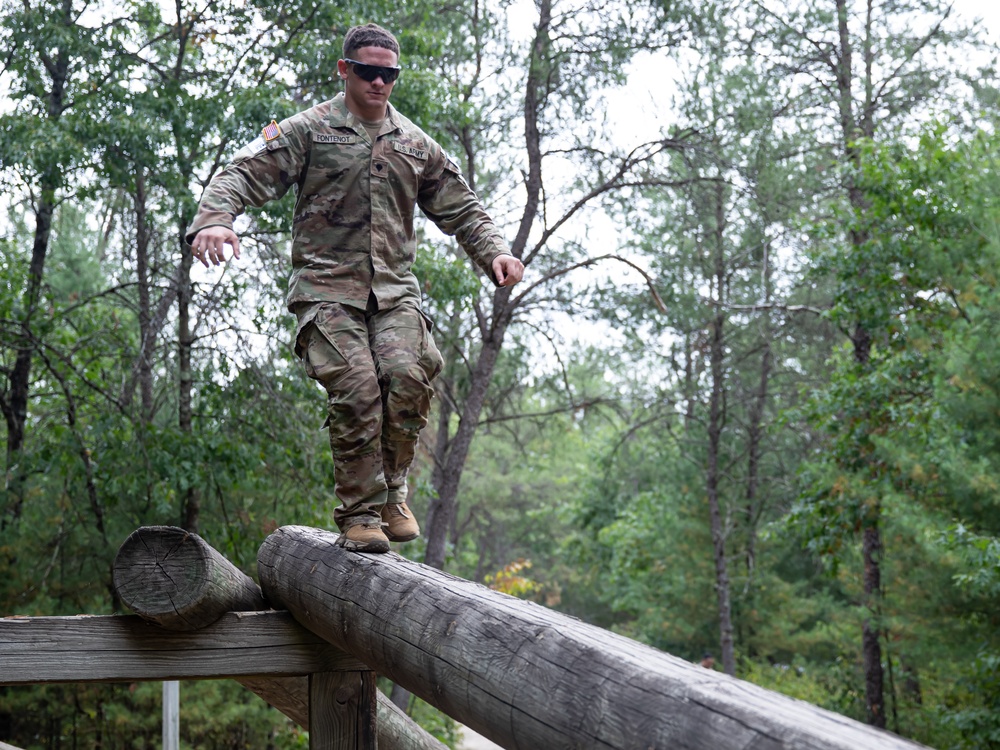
(177, 580)
(36, 650)
(290, 695)
(522, 675)
(342, 711)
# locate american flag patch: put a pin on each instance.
(270, 132)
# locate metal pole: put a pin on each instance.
(171, 715)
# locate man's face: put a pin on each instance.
(367, 99)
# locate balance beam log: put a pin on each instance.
(524, 676)
(175, 579)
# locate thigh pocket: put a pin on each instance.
(430, 358)
(322, 358)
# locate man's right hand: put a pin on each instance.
(209, 243)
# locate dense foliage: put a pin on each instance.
(758, 419)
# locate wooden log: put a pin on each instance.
(38, 650)
(176, 566)
(176, 579)
(524, 676)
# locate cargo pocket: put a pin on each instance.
(430, 358)
(317, 345)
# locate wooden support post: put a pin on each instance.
(175, 579)
(525, 676)
(342, 710)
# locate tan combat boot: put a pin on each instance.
(400, 524)
(364, 537)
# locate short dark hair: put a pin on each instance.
(369, 35)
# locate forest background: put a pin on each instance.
(745, 402)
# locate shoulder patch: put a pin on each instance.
(253, 148)
(271, 131)
(410, 151)
(334, 138)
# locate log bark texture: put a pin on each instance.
(522, 675)
(177, 580)
(173, 565)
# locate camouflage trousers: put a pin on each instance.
(377, 367)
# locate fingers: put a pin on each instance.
(209, 245)
(508, 270)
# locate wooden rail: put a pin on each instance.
(175, 579)
(524, 676)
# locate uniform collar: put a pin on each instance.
(341, 117)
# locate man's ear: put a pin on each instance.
(342, 69)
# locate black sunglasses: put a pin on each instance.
(369, 73)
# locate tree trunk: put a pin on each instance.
(442, 511)
(755, 438)
(146, 333)
(16, 412)
(872, 627)
(852, 130)
(185, 379)
(15, 408)
(716, 423)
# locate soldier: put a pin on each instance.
(359, 169)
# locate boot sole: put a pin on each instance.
(362, 546)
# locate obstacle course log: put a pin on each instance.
(176, 580)
(522, 675)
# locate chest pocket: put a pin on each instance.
(406, 167)
(335, 163)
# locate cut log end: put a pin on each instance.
(175, 579)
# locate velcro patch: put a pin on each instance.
(271, 131)
(257, 145)
(334, 138)
(410, 151)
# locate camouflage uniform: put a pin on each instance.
(361, 332)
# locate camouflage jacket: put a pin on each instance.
(353, 229)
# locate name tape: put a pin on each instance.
(333, 138)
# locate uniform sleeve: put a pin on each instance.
(260, 172)
(449, 202)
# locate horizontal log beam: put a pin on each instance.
(525, 676)
(36, 650)
(176, 579)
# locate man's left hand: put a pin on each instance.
(507, 269)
